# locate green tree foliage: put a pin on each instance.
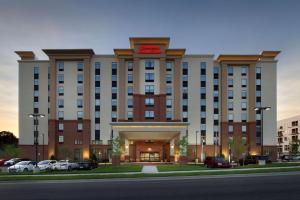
(10, 151)
(116, 146)
(65, 151)
(7, 137)
(237, 148)
(183, 144)
(294, 147)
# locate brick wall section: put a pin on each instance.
(28, 151)
(139, 107)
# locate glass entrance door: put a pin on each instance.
(149, 157)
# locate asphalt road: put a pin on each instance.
(261, 186)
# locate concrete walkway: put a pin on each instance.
(149, 169)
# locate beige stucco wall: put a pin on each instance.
(26, 101)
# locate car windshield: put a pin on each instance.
(62, 161)
(44, 162)
(24, 163)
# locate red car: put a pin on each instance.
(2, 161)
(216, 162)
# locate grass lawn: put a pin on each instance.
(100, 169)
(105, 176)
(177, 167)
(192, 167)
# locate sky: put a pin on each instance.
(202, 27)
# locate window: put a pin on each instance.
(35, 93)
(130, 66)
(97, 114)
(169, 115)
(258, 70)
(79, 103)
(168, 90)
(60, 103)
(230, 71)
(230, 105)
(80, 66)
(184, 114)
(80, 78)
(97, 78)
(36, 70)
(149, 114)
(169, 103)
(129, 114)
(129, 103)
(244, 94)
(169, 66)
(36, 81)
(60, 78)
(244, 117)
(230, 128)
(60, 115)
(244, 82)
(149, 77)
(244, 105)
(149, 89)
(203, 65)
(97, 90)
(130, 90)
(113, 115)
(149, 101)
(244, 71)
(230, 117)
(35, 104)
(79, 127)
(97, 102)
(184, 77)
(230, 94)
(61, 139)
(60, 90)
(168, 78)
(97, 65)
(97, 126)
(130, 78)
(149, 64)
(258, 82)
(79, 114)
(60, 66)
(244, 128)
(60, 126)
(230, 82)
(79, 90)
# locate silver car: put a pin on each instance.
(45, 165)
(65, 165)
(23, 166)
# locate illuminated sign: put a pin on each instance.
(149, 49)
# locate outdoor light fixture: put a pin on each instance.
(172, 146)
(262, 109)
(35, 117)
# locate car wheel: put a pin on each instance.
(69, 168)
(25, 170)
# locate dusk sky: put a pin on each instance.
(202, 27)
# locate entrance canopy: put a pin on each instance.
(149, 130)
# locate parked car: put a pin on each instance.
(218, 162)
(14, 161)
(2, 161)
(253, 159)
(23, 166)
(290, 158)
(87, 164)
(45, 165)
(65, 165)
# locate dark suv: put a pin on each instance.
(253, 159)
(217, 162)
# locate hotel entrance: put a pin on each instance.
(149, 157)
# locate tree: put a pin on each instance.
(10, 151)
(183, 144)
(65, 151)
(7, 137)
(116, 146)
(238, 148)
(294, 147)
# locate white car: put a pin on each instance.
(45, 165)
(11, 162)
(65, 165)
(23, 166)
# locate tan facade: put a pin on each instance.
(151, 96)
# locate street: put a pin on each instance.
(256, 186)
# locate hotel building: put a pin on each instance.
(288, 133)
(150, 96)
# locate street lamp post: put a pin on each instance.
(43, 146)
(196, 150)
(36, 117)
(262, 109)
(202, 148)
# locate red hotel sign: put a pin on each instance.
(149, 49)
